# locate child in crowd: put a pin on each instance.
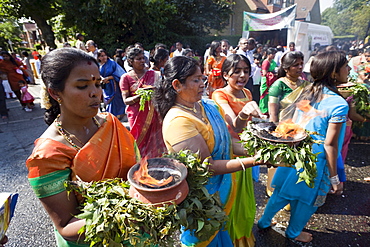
(27, 98)
(8, 91)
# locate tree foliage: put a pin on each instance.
(9, 31)
(118, 22)
(348, 17)
(121, 22)
(39, 11)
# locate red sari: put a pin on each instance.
(146, 126)
(14, 73)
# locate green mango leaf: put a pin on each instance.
(200, 225)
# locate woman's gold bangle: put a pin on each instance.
(240, 117)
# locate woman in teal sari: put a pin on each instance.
(197, 125)
(268, 77)
(328, 111)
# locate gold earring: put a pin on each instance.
(59, 100)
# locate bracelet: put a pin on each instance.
(364, 120)
(244, 119)
(241, 163)
(334, 180)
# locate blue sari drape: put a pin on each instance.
(112, 92)
(223, 184)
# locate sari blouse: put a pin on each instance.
(130, 85)
(179, 126)
(278, 91)
(221, 96)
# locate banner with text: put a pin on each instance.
(274, 21)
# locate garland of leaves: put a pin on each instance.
(298, 156)
(200, 212)
(113, 218)
(145, 95)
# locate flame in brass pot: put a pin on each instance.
(142, 176)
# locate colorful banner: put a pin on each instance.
(274, 21)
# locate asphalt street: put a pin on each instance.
(342, 221)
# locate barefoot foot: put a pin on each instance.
(304, 237)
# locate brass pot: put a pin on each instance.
(175, 192)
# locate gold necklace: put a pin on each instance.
(68, 135)
(139, 78)
(194, 112)
(187, 108)
(294, 83)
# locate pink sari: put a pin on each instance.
(146, 126)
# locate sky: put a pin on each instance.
(325, 4)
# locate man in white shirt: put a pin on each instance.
(242, 46)
(279, 54)
(225, 47)
(92, 48)
(246, 48)
(256, 75)
(80, 42)
(251, 47)
(179, 50)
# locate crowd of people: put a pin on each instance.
(199, 103)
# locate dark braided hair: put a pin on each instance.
(56, 67)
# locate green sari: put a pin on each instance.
(288, 97)
(266, 82)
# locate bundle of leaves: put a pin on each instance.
(145, 96)
(113, 218)
(298, 156)
(361, 97)
(200, 212)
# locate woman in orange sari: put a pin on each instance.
(146, 127)
(236, 101)
(213, 68)
(78, 144)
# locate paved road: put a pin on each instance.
(342, 221)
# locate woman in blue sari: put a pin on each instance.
(111, 73)
(198, 125)
(327, 110)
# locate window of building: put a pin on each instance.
(276, 2)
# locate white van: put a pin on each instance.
(305, 35)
